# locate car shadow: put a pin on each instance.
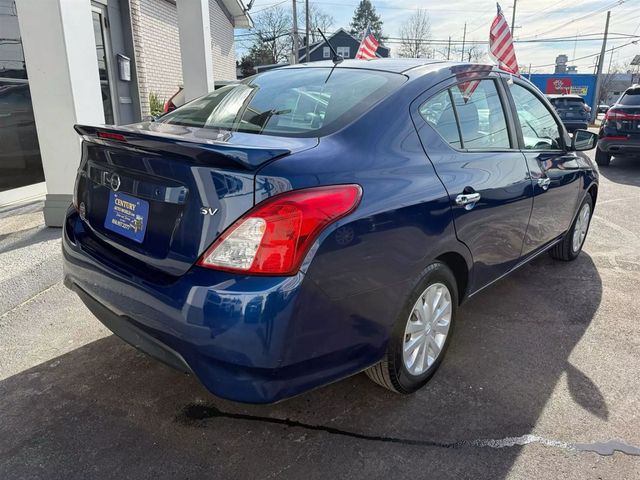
(623, 170)
(28, 238)
(107, 411)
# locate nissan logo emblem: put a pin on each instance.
(115, 182)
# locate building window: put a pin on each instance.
(343, 52)
(326, 52)
(20, 163)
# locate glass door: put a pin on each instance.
(103, 52)
(20, 163)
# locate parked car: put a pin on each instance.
(619, 133)
(573, 110)
(603, 108)
(313, 222)
(177, 99)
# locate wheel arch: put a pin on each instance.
(593, 191)
(459, 265)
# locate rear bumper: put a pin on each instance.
(575, 124)
(248, 339)
(630, 146)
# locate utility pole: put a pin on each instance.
(464, 38)
(307, 27)
(449, 49)
(513, 16)
(596, 94)
(295, 34)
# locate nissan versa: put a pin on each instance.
(316, 221)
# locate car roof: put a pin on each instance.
(393, 65)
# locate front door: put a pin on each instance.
(476, 156)
(555, 172)
(105, 67)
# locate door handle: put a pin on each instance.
(467, 200)
(544, 182)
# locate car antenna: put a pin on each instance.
(336, 59)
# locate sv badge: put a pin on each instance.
(208, 211)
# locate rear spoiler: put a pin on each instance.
(206, 148)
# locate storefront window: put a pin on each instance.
(20, 162)
(101, 52)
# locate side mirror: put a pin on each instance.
(583, 140)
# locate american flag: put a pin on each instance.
(501, 44)
(368, 46)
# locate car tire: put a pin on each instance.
(430, 335)
(571, 245)
(603, 159)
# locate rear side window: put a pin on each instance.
(469, 115)
(306, 102)
(438, 112)
(630, 97)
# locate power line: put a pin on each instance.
(573, 60)
(617, 3)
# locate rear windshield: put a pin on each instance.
(632, 97)
(568, 103)
(306, 102)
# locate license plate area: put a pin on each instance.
(127, 216)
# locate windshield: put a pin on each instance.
(632, 97)
(306, 102)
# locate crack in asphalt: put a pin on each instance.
(194, 413)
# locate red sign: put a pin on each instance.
(558, 85)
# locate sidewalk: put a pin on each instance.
(30, 256)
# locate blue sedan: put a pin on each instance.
(317, 221)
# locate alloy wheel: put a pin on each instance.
(427, 329)
(582, 225)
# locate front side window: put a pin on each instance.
(539, 128)
(301, 102)
(481, 122)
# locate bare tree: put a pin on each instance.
(611, 80)
(318, 19)
(415, 35)
(476, 54)
(272, 33)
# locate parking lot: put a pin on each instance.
(541, 378)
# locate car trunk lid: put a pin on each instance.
(157, 195)
(625, 119)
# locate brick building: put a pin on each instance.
(64, 62)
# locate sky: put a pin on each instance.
(535, 20)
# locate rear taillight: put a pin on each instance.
(618, 115)
(274, 237)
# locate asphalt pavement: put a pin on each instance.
(541, 381)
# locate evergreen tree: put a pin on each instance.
(365, 15)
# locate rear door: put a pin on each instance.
(555, 172)
(467, 136)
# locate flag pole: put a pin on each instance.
(364, 35)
